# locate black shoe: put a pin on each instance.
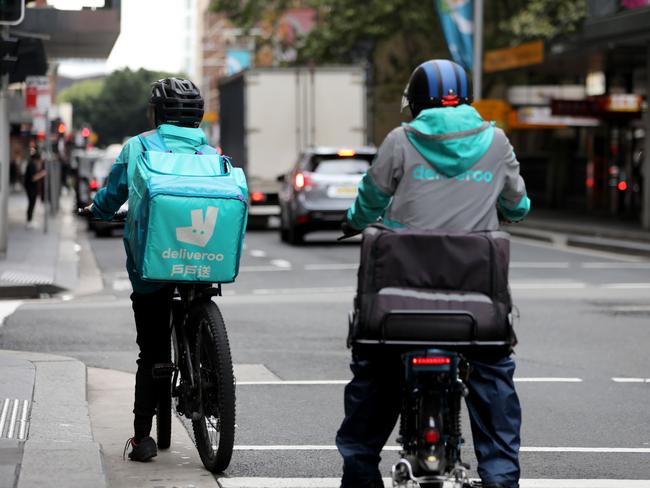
(143, 450)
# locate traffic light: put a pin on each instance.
(12, 12)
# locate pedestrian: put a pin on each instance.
(33, 182)
(447, 169)
(175, 112)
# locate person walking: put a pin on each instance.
(34, 175)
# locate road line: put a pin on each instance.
(626, 286)
(325, 447)
(630, 309)
(577, 250)
(631, 380)
(615, 265)
(257, 253)
(539, 265)
(281, 263)
(345, 382)
(303, 291)
(336, 482)
(7, 308)
(560, 285)
(262, 269)
(331, 267)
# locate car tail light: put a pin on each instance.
(622, 185)
(93, 184)
(302, 181)
(258, 196)
(431, 361)
(431, 436)
(346, 153)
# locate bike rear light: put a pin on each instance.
(346, 153)
(622, 186)
(431, 361)
(93, 184)
(431, 436)
(258, 196)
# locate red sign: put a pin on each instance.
(31, 94)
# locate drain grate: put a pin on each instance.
(14, 421)
(25, 278)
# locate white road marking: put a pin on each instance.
(122, 285)
(303, 291)
(345, 382)
(258, 253)
(559, 285)
(261, 269)
(586, 450)
(336, 482)
(630, 308)
(7, 308)
(631, 380)
(626, 286)
(548, 380)
(281, 263)
(577, 250)
(331, 267)
(539, 265)
(615, 265)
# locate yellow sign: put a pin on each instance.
(210, 117)
(514, 57)
(493, 109)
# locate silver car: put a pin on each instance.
(321, 187)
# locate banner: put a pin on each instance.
(237, 60)
(456, 17)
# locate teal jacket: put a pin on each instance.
(446, 169)
(116, 191)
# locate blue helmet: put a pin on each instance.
(437, 83)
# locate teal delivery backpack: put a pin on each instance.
(187, 214)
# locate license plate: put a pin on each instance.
(343, 191)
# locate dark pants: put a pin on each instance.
(31, 203)
(152, 313)
(372, 406)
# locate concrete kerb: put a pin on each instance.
(60, 449)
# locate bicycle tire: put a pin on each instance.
(212, 363)
(164, 410)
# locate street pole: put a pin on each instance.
(646, 164)
(477, 69)
(4, 157)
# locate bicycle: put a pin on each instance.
(198, 379)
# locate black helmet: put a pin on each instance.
(437, 83)
(176, 101)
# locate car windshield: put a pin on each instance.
(331, 165)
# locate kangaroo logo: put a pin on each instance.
(202, 228)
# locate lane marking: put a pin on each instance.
(614, 265)
(258, 269)
(345, 382)
(257, 253)
(586, 450)
(281, 263)
(539, 265)
(626, 286)
(336, 482)
(576, 250)
(331, 267)
(560, 285)
(304, 291)
(630, 308)
(631, 380)
(7, 308)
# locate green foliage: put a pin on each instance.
(248, 13)
(543, 19)
(115, 108)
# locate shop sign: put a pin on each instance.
(526, 54)
(493, 109)
(542, 117)
(37, 93)
(624, 102)
(543, 94)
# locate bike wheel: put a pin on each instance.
(214, 429)
(164, 411)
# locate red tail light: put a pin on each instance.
(622, 186)
(431, 436)
(302, 181)
(258, 196)
(431, 361)
(93, 184)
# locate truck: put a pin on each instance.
(270, 116)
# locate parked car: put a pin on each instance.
(82, 163)
(101, 170)
(318, 191)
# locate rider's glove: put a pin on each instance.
(348, 230)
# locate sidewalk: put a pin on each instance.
(39, 263)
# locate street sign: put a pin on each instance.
(12, 12)
(38, 95)
(526, 54)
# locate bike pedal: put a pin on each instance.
(163, 370)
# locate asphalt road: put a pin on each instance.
(583, 374)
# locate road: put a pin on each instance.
(583, 374)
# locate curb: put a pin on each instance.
(60, 449)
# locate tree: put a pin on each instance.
(115, 108)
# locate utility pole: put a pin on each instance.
(477, 68)
(646, 163)
(4, 156)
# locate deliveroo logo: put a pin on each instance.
(202, 228)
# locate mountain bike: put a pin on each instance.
(198, 379)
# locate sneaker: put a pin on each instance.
(142, 451)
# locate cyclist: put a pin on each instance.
(175, 111)
(446, 169)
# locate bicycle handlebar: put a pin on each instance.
(118, 217)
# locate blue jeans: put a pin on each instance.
(373, 402)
